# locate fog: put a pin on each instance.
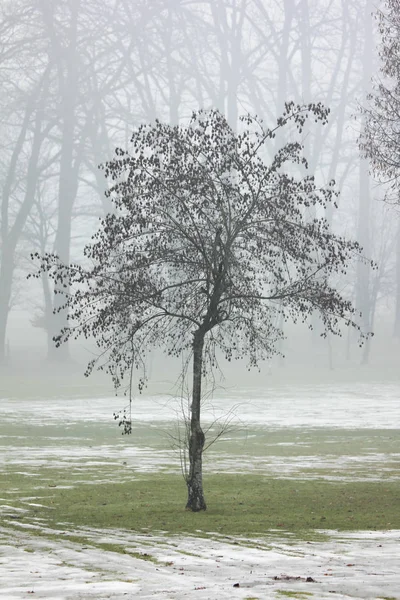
(77, 77)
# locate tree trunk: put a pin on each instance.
(396, 329)
(6, 276)
(196, 501)
(48, 313)
(68, 177)
(10, 235)
(363, 292)
(283, 62)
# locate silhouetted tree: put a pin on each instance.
(207, 244)
(380, 141)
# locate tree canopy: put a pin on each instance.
(380, 136)
(211, 242)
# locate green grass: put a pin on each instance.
(289, 594)
(105, 492)
(239, 505)
(321, 441)
(254, 444)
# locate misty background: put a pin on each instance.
(78, 76)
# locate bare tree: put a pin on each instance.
(380, 137)
(118, 64)
(363, 296)
(14, 214)
(207, 244)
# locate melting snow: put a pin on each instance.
(355, 565)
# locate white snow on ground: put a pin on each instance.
(352, 406)
(371, 466)
(358, 406)
(145, 460)
(357, 565)
(345, 406)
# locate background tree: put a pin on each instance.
(208, 243)
(380, 140)
(363, 294)
(380, 137)
(94, 73)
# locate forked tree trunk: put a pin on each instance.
(194, 480)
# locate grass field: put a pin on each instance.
(84, 472)
(66, 472)
(243, 505)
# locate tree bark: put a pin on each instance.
(67, 63)
(10, 236)
(396, 329)
(6, 275)
(196, 501)
(363, 291)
